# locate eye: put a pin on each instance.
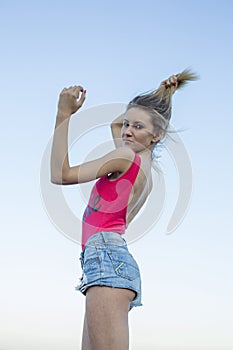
(125, 123)
(138, 126)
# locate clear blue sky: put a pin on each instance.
(116, 50)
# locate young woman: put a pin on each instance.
(111, 278)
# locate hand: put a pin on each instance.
(172, 80)
(69, 101)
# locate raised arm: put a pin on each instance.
(61, 171)
(116, 126)
(67, 105)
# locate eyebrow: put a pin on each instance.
(137, 121)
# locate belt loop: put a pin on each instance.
(102, 236)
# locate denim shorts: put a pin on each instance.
(106, 261)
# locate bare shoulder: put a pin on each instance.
(118, 160)
(122, 153)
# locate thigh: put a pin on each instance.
(107, 317)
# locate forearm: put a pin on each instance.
(69, 102)
(118, 121)
(116, 126)
(59, 154)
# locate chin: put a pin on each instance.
(130, 145)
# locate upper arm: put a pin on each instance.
(118, 160)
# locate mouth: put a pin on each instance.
(127, 140)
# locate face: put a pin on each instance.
(137, 131)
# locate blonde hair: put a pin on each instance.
(159, 102)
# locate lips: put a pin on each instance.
(127, 140)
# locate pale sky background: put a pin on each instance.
(116, 50)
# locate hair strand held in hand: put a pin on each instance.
(159, 101)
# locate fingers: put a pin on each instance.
(171, 81)
(74, 90)
(70, 99)
(82, 98)
(77, 89)
(63, 90)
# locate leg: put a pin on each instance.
(107, 317)
(85, 339)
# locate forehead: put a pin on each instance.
(136, 115)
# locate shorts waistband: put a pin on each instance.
(106, 238)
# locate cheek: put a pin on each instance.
(144, 139)
(143, 136)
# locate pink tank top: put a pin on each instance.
(108, 203)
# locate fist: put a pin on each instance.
(70, 100)
(171, 81)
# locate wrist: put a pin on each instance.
(62, 115)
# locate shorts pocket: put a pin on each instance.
(91, 264)
(124, 265)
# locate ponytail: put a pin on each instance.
(160, 100)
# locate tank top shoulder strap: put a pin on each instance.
(133, 170)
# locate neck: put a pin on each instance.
(145, 153)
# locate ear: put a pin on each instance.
(157, 137)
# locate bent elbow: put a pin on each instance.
(58, 177)
(56, 181)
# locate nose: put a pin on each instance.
(128, 130)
